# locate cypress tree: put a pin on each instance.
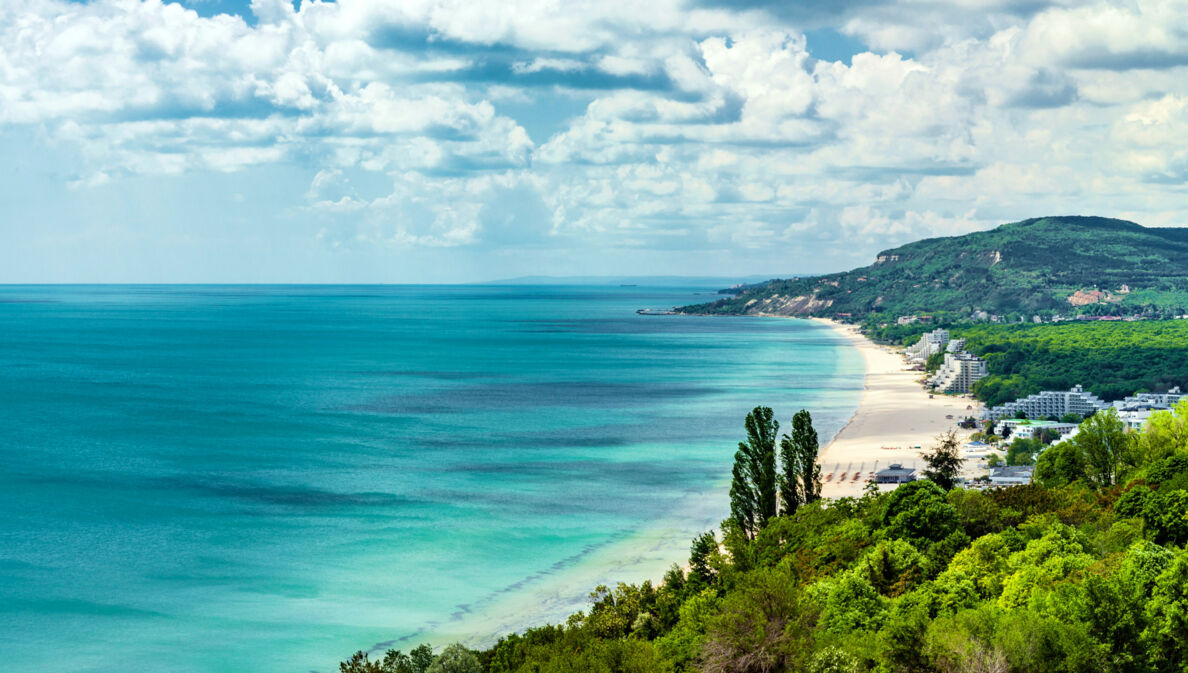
(753, 489)
(804, 436)
(742, 497)
(800, 477)
(790, 480)
(701, 574)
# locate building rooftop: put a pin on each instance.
(1012, 472)
(895, 470)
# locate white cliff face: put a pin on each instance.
(780, 305)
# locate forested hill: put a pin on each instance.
(1048, 265)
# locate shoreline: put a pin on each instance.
(894, 416)
(550, 596)
(641, 554)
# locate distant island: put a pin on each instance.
(1044, 267)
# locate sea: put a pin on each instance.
(266, 479)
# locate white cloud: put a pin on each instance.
(1142, 34)
(697, 128)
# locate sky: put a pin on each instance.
(428, 141)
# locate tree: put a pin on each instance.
(944, 461)
(800, 480)
(809, 446)
(1021, 451)
(396, 661)
(1047, 435)
(1166, 635)
(1060, 464)
(1103, 442)
(455, 659)
(701, 573)
(934, 362)
(753, 487)
(763, 626)
(360, 663)
(421, 657)
(919, 513)
(1165, 433)
(1165, 514)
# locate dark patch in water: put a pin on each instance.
(671, 432)
(285, 495)
(634, 472)
(79, 607)
(440, 375)
(280, 494)
(546, 439)
(592, 394)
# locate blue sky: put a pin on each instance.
(453, 141)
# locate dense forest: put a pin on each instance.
(1084, 570)
(1017, 270)
(1112, 359)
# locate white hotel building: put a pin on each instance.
(958, 373)
(1142, 401)
(928, 345)
(1050, 403)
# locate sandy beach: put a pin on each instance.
(895, 416)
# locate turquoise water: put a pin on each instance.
(269, 478)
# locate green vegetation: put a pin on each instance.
(1022, 451)
(944, 461)
(756, 490)
(1085, 570)
(419, 660)
(1095, 456)
(1111, 359)
(800, 482)
(1016, 270)
(753, 496)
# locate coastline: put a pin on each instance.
(894, 416)
(551, 596)
(643, 554)
(893, 411)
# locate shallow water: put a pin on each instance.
(268, 478)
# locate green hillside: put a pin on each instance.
(1020, 269)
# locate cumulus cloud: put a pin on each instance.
(691, 126)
